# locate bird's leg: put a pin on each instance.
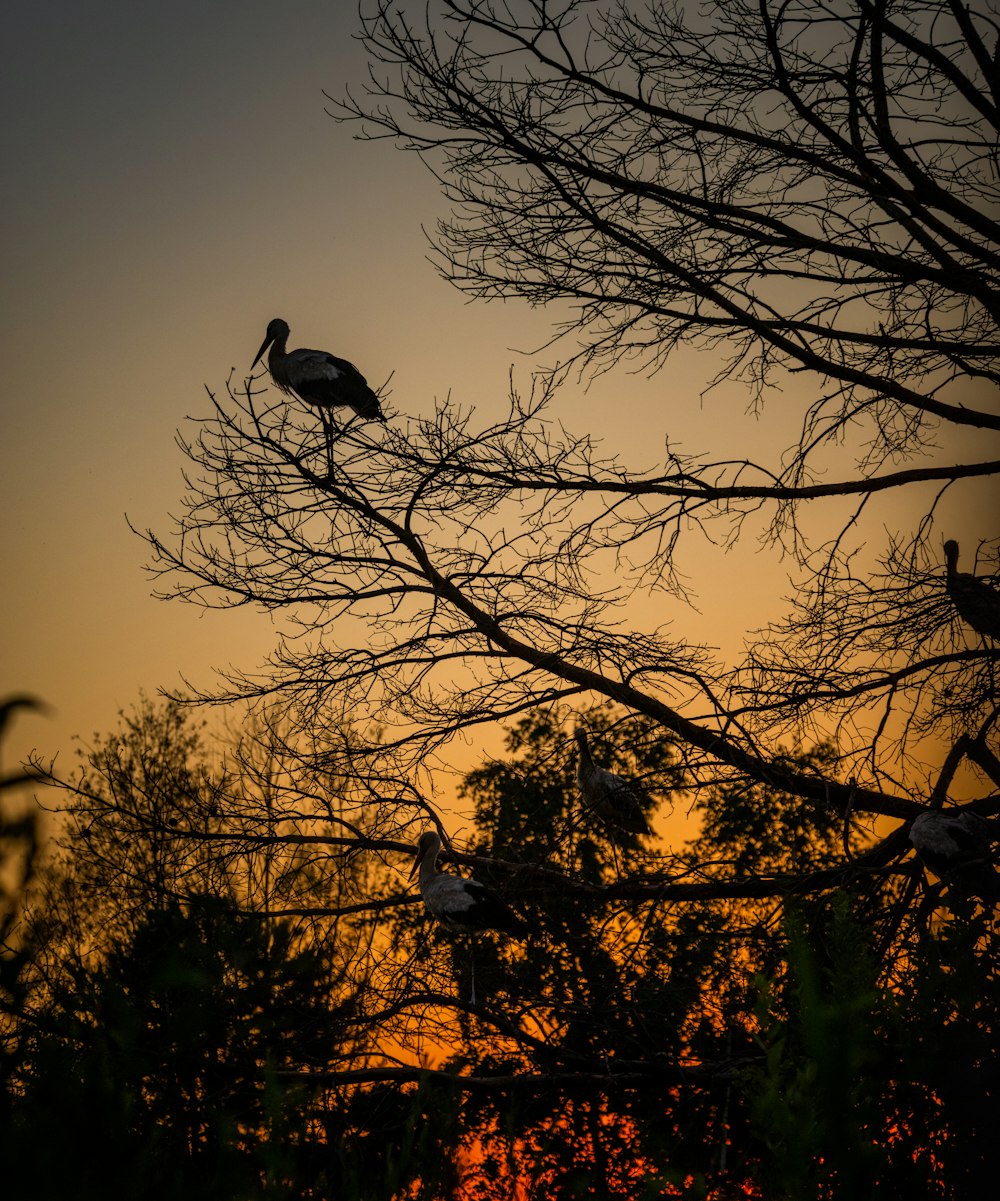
(328, 439)
(614, 855)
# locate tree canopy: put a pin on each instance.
(309, 1028)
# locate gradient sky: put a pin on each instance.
(177, 184)
(173, 182)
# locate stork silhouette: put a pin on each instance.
(977, 603)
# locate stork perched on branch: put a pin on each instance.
(319, 378)
(463, 904)
(977, 603)
(956, 848)
(619, 803)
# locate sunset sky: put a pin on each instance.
(174, 182)
(178, 184)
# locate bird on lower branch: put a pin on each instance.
(457, 902)
(956, 846)
(620, 804)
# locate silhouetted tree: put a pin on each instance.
(158, 1066)
(666, 1022)
(803, 194)
(166, 1009)
(799, 192)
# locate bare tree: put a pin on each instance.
(799, 189)
(805, 193)
(471, 598)
(810, 198)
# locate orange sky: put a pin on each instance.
(175, 184)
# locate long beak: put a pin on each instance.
(417, 860)
(260, 353)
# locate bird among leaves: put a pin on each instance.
(457, 902)
(619, 803)
(318, 378)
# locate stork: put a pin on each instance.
(619, 803)
(465, 904)
(956, 848)
(319, 378)
(977, 603)
(461, 904)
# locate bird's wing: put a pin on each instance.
(469, 904)
(447, 896)
(344, 368)
(486, 911)
(930, 834)
(317, 365)
(623, 793)
(623, 803)
(970, 833)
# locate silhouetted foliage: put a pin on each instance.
(163, 1007)
(19, 845)
(158, 1066)
(690, 1044)
(19, 837)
